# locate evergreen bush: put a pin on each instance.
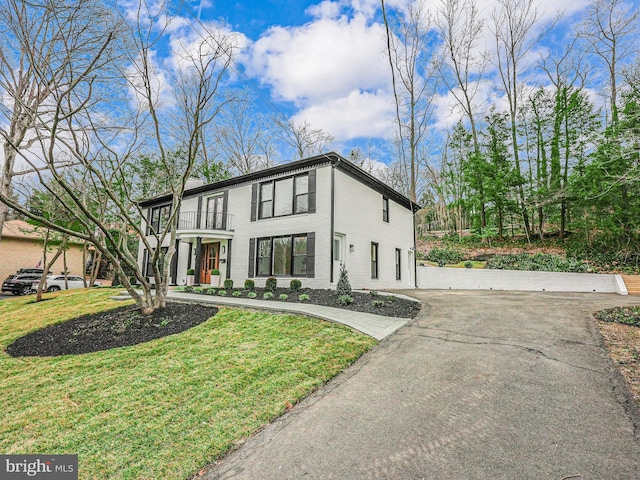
(271, 284)
(344, 287)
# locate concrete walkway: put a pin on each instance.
(483, 385)
(376, 326)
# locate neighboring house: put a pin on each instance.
(298, 220)
(22, 245)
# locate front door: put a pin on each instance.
(210, 260)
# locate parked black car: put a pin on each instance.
(20, 284)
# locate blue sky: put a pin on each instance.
(324, 62)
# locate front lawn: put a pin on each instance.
(168, 407)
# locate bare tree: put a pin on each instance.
(84, 129)
(516, 30)
(38, 42)
(461, 27)
(409, 50)
(610, 27)
(306, 141)
(243, 136)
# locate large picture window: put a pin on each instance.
(284, 196)
(282, 256)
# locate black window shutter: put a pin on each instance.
(312, 191)
(149, 221)
(254, 202)
(225, 200)
(311, 254)
(252, 254)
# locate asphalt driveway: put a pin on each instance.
(482, 385)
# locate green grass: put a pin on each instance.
(166, 408)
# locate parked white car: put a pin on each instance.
(56, 282)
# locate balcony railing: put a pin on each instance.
(208, 221)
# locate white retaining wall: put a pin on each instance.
(436, 278)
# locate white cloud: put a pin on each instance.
(325, 9)
(359, 114)
(325, 59)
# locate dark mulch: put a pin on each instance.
(119, 327)
(362, 302)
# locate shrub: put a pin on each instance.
(539, 262)
(222, 293)
(210, 291)
(625, 315)
(215, 271)
(468, 264)
(283, 296)
(252, 295)
(303, 297)
(188, 289)
(228, 284)
(267, 295)
(377, 303)
(345, 300)
(444, 256)
(237, 293)
(191, 271)
(198, 290)
(295, 285)
(249, 284)
(374, 293)
(271, 284)
(344, 287)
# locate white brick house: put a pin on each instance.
(298, 220)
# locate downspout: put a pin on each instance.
(332, 232)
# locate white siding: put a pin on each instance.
(358, 215)
(318, 222)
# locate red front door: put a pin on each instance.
(210, 260)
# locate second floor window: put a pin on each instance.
(284, 196)
(385, 209)
(159, 218)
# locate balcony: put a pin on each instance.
(188, 221)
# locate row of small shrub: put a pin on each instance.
(239, 293)
(271, 284)
(545, 262)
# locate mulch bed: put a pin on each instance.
(121, 327)
(620, 329)
(362, 302)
